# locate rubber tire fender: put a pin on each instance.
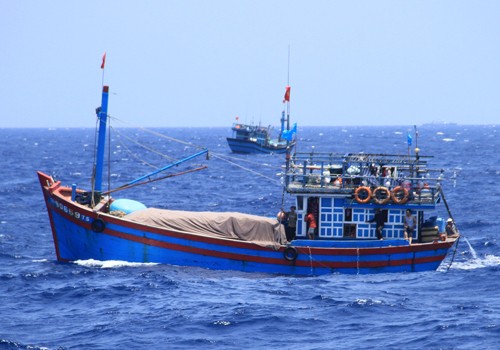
(98, 225)
(290, 253)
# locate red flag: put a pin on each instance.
(103, 61)
(287, 95)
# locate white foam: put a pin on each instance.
(110, 264)
(477, 263)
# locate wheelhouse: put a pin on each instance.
(344, 191)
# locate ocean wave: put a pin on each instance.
(477, 263)
(110, 264)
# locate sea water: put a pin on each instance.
(119, 305)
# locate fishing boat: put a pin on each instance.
(248, 138)
(342, 192)
(254, 139)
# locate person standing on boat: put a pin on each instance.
(379, 220)
(282, 218)
(410, 223)
(292, 224)
(311, 224)
(450, 228)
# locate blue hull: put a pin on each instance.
(75, 238)
(247, 146)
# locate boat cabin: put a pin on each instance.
(252, 133)
(343, 192)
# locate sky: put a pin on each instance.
(196, 63)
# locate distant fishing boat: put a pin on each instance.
(257, 139)
(254, 139)
(341, 193)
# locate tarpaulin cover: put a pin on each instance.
(244, 227)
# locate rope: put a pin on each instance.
(154, 180)
(244, 168)
(215, 155)
(155, 151)
(152, 150)
(311, 259)
(454, 224)
(357, 261)
(242, 159)
(283, 198)
(159, 134)
(133, 155)
(454, 252)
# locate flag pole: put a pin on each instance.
(288, 84)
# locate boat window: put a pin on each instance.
(348, 214)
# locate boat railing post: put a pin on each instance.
(304, 174)
(287, 164)
(322, 181)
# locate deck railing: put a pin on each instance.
(337, 173)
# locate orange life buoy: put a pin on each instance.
(381, 195)
(363, 194)
(399, 195)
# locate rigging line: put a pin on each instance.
(283, 198)
(311, 260)
(154, 180)
(160, 134)
(152, 150)
(454, 252)
(247, 169)
(243, 160)
(133, 155)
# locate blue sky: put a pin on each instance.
(202, 63)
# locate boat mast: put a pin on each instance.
(287, 153)
(288, 86)
(102, 115)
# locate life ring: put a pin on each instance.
(399, 195)
(381, 195)
(290, 254)
(363, 194)
(98, 225)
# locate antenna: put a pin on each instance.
(288, 73)
(288, 84)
